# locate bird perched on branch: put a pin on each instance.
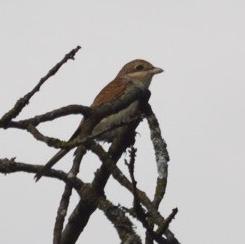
(137, 73)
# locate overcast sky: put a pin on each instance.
(199, 102)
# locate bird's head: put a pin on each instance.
(139, 71)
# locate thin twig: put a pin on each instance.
(50, 141)
(49, 116)
(167, 221)
(65, 199)
(123, 181)
(139, 211)
(22, 102)
(158, 196)
(144, 199)
(8, 166)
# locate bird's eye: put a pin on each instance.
(139, 67)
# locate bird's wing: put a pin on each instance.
(110, 92)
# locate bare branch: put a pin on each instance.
(167, 221)
(158, 142)
(50, 141)
(159, 191)
(57, 113)
(120, 221)
(162, 158)
(22, 102)
(152, 211)
(80, 215)
(118, 146)
(65, 199)
(138, 209)
(89, 197)
(123, 181)
(158, 196)
(8, 166)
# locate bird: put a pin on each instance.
(136, 73)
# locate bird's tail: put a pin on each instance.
(51, 163)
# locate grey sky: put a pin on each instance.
(199, 101)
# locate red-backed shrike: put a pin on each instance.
(137, 73)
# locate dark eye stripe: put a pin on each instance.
(139, 67)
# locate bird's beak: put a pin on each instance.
(156, 70)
